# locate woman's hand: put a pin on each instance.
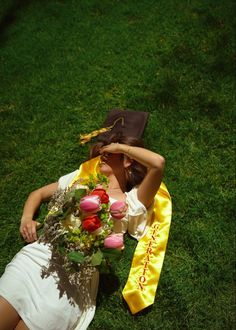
(28, 229)
(112, 148)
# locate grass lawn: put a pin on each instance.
(63, 65)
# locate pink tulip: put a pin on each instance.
(114, 241)
(118, 210)
(90, 204)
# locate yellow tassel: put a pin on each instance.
(84, 138)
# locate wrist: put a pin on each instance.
(126, 149)
(123, 148)
(26, 218)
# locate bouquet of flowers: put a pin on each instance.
(78, 229)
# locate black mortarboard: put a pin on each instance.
(127, 122)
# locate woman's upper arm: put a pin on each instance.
(150, 184)
(47, 191)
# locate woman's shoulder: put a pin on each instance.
(65, 180)
(136, 207)
(139, 218)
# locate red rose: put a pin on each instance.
(91, 223)
(102, 194)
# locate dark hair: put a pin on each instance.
(136, 172)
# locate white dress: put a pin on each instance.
(36, 299)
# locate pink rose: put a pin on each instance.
(102, 194)
(118, 210)
(91, 223)
(114, 241)
(90, 204)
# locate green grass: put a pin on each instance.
(64, 64)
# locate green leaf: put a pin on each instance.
(69, 195)
(104, 267)
(111, 253)
(97, 258)
(61, 249)
(76, 257)
(79, 193)
(55, 214)
(102, 178)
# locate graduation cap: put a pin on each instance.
(128, 122)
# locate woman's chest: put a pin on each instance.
(117, 196)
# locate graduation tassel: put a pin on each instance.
(84, 138)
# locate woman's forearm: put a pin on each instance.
(146, 157)
(155, 164)
(32, 203)
(28, 225)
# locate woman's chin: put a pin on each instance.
(105, 169)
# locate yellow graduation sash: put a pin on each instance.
(139, 291)
(87, 168)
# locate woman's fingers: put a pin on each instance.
(34, 233)
(28, 232)
(23, 233)
(104, 156)
(110, 148)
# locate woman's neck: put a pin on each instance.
(115, 191)
(115, 184)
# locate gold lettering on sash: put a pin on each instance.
(149, 250)
(147, 258)
(142, 279)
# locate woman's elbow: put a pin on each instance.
(160, 164)
(36, 194)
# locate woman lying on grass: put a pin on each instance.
(28, 301)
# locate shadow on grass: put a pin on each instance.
(10, 16)
(108, 283)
